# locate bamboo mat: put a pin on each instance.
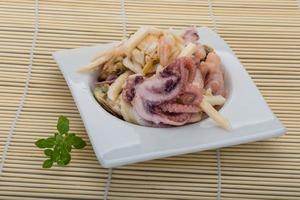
(264, 34)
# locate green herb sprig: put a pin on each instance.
(57, 148)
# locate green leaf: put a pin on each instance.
(56, 153)
(45, 143)
(78, 142)
(65, 156)
(48, 163)
(61, 163)
(59, 138)
(48, 152)
(41, 143)
(68, 147)
(66, 160)
(63, 125)
(50, 141)
(69, 139)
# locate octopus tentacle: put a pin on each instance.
(192, 95)
(146, 111)
(199, 54)
(213, 74)
(179, 108)
(155, 99)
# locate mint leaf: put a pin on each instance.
(48, 152)
(59, 139)
(69, 139)
(65, 156)
(45, 143)
(41, 143)
(56, 153)
(49, 142)
(66, 159)
(60, 163)
(68, 147)
(63, 125)
(47, 163)
(78, 143)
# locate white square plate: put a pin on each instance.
(117, 142)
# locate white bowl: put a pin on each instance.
(118, 142)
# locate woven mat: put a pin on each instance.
(264, 34)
